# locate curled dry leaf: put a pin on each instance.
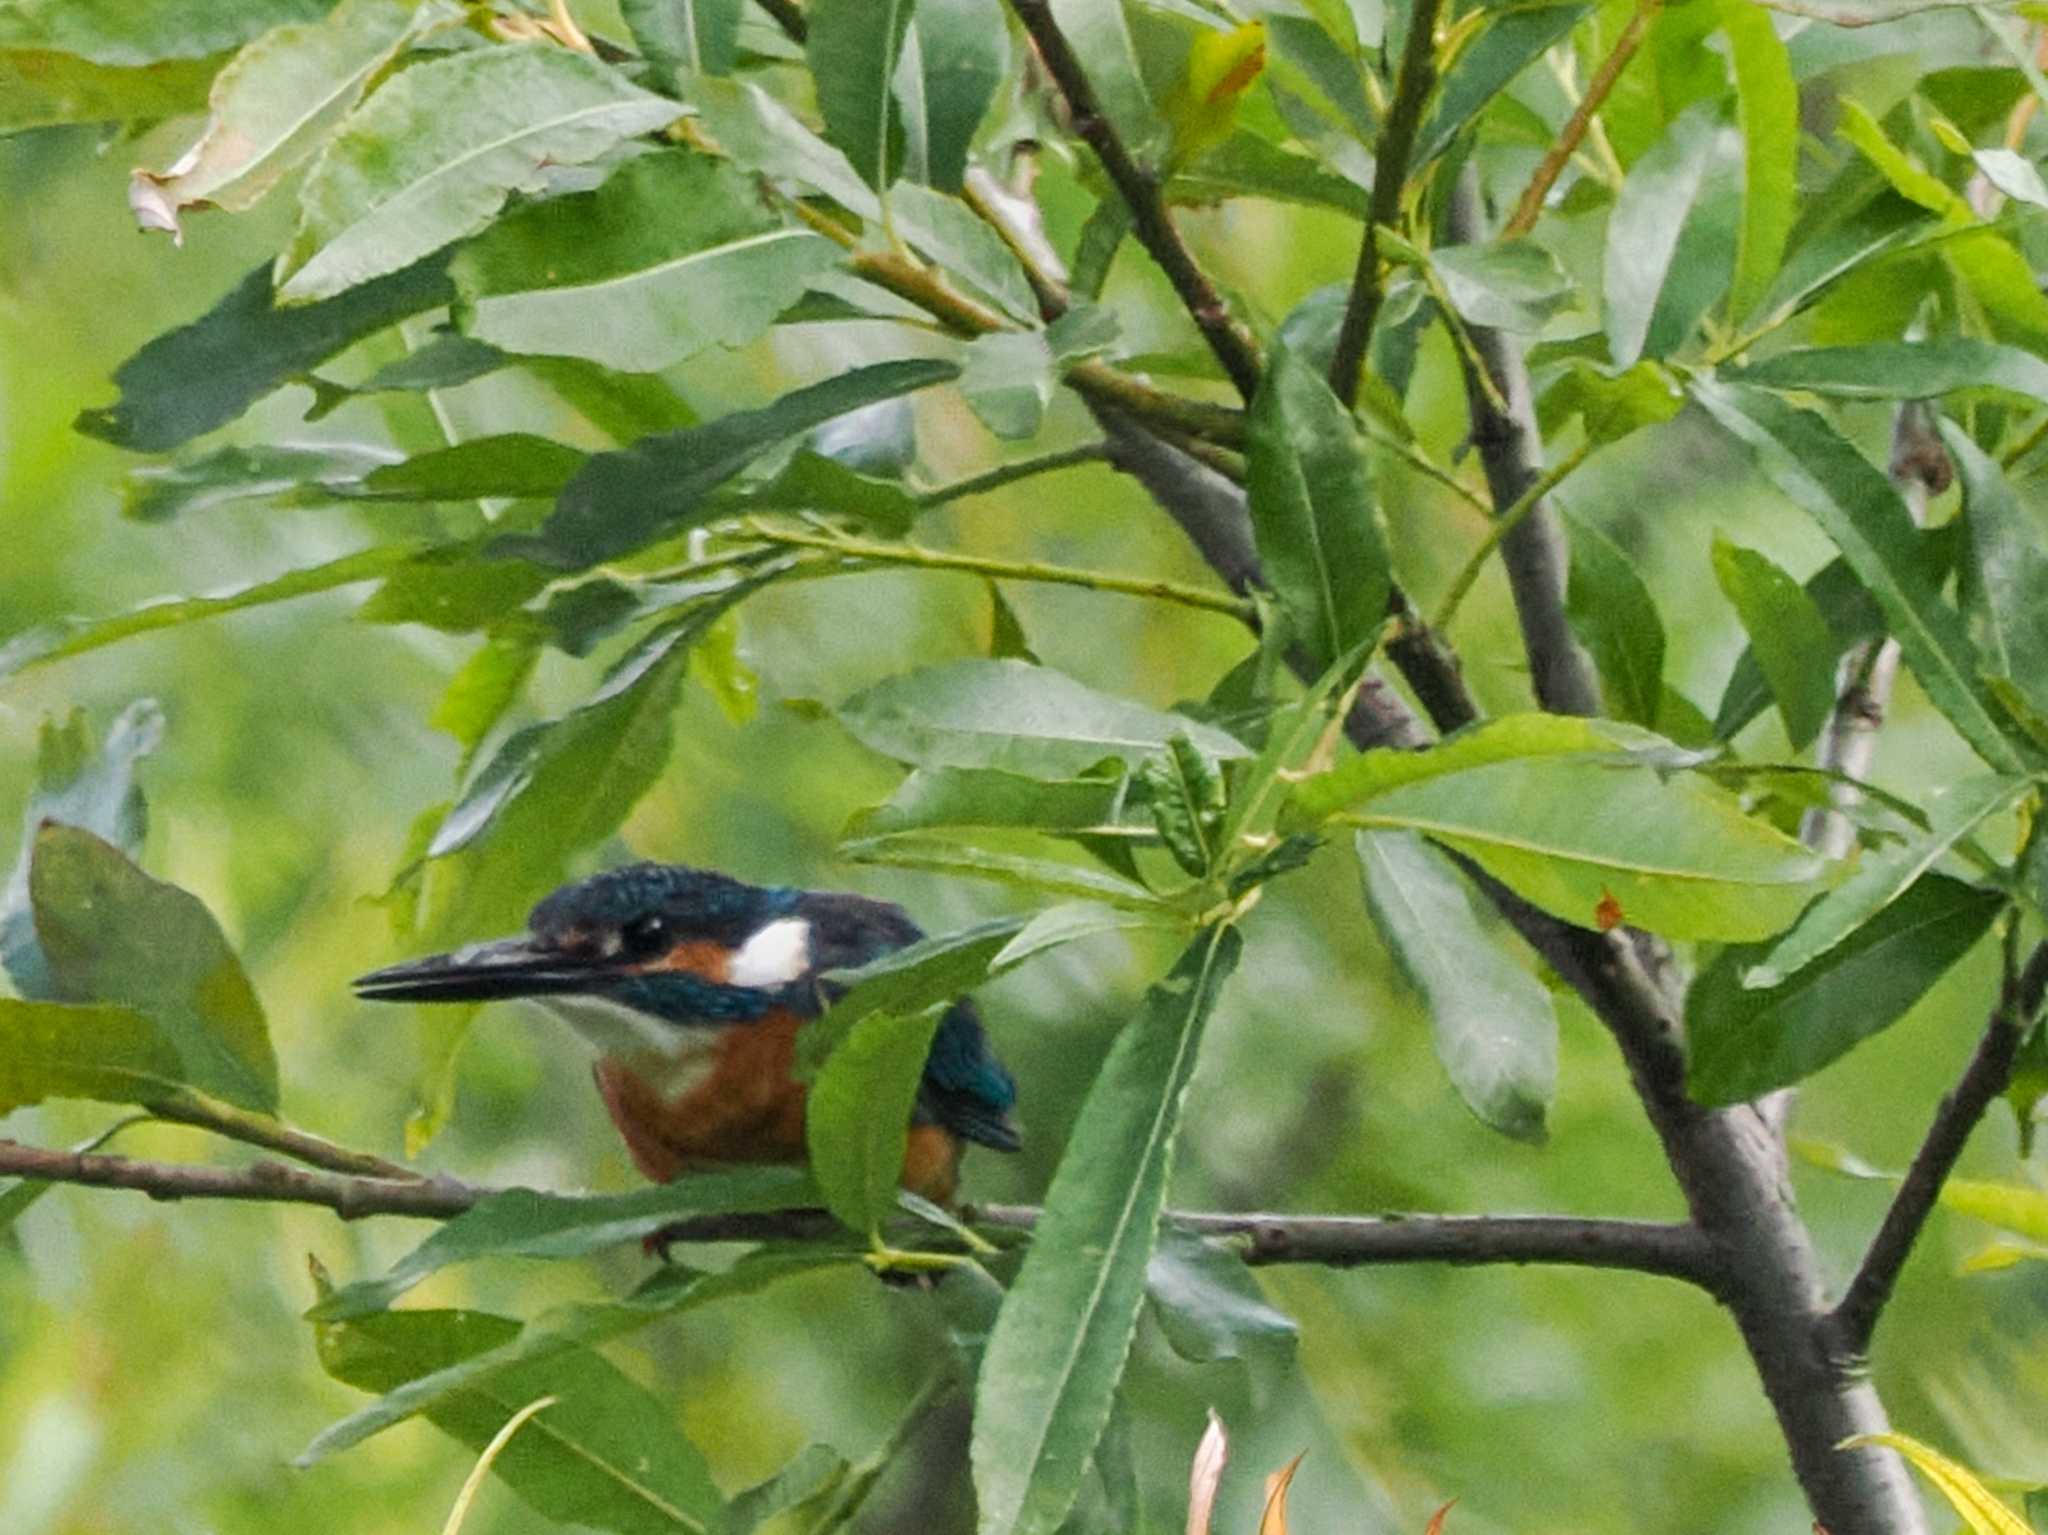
(1206, 1474)
(1274, 1520)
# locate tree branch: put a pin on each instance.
(1530, 206)
(1983, 1080)
(1391, 154)
(1233, 345)
(191, 1107)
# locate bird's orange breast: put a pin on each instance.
(747, 1108)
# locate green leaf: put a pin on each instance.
(164, 492)
(1673, 235)
(1100, 34)
(1491, 1021)
(1209, 1305)
(1884, 876)
(685, 38)
(673, 254)
(526, 1223)
(963, 49)
(1008, 380)
(516, 464)
(77, 784)
(852, 48)
(277, 102)
(1074, 921)
(661, 485)
(1045, 876)
(111, 934)
(39, 89)
(858, 1113)
(1906, 175)
(2013, 1206)
(1860, 510)
(947, 798)
(1516, 38)
(813, 1472)
(1767, 111)
(761, 134)
(1313, 512)
(433, 156)
(53, 642)
(1744, 1042)
(1513, 285)
(203, 375)
(1064, 1332)
(2007, 571)
(1787, 635)
(129, 35)
(811, 482)
(904, 982)
(456, 590)
(1249, 165)
(1611, 610)
(1009, 715)
(1612, 405)
(1186, 795)
(1852, 617)
(606, 1454)
(1573, 828)
(102, 1052)
(1900, 370)
(952, 234)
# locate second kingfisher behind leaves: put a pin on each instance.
(693, 986)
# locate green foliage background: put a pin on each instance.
(154, 1374)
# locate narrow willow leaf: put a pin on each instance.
(1613, 613)
(277, 102)
(1516, 37)
(1014, 717)
(1201, 109)
(952, 234)
(40, 89)
(1076, 920)
(606, 1455)
(963, 49)
(852, 49)
(434, 155)
(1008, 381)
(1101, 34)
(904, 982)
(1249, 165)
(1767, 112)
(661, 485)
(190, 380)
(1186, 799)
(131, 35)
(111, 934)
(1209, 1305)
(1064, 1332)
(102, 1052)
(1610, 403)
(931, 799)
(1491, 1020)
(1313, 512)
(1900, 370)
(1787, 635)
(760, 134)
(1046, 876)
(526, 1223)
(2014, 1207)
(56, 641)
(2007, 571)
(83, 784)
(1885, 875)
(1970, 1498)
(1673, 235)
(858, 1111)
(1852, 616)
(1744, 1043)
(673, 254)
(1513, 285)
(261, 471)
(685, 38)
(1505, 739)
(1858, 508)
(809, 1476)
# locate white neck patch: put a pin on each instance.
(774, 956)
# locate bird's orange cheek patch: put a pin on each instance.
(698, 956)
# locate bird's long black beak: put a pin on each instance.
(483, 972)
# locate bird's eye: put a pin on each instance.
(645, 935)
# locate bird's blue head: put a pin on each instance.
(687, 945)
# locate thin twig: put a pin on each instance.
(1530, 207)
(190, 1107)
(1010, 473)
(874, 553)
(1504, 525)
(1140, 189)
(264, 1181)
(1389, 182)
(1987, 1076)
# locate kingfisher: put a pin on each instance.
(693, 987)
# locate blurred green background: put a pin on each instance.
(154, 1375)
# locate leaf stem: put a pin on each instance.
(205, 1112)
(1530, 206)
(1008, 474)
(870, 552)
(1391, 154)
(1503, 525)
(1140, 189)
